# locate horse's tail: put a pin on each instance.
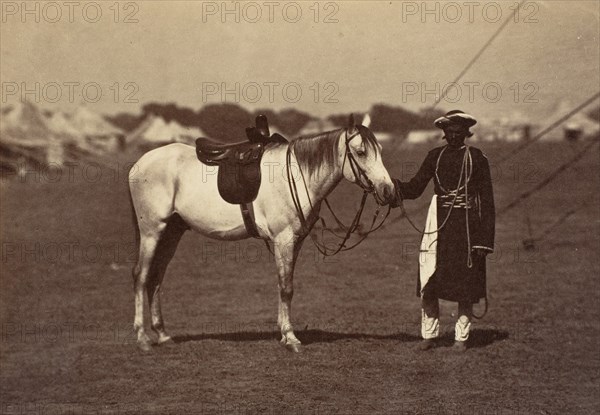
(136, 226)
(136, 229)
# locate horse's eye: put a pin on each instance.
(361, 153)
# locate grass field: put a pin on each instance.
(66, 305)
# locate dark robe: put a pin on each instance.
(453, 279)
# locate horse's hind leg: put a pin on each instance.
(167, 246)
(149, 239)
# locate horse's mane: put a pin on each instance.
(316, 151)
(320, 150)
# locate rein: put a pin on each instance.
(359, 175)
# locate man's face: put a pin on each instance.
(455, 135)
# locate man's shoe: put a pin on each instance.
(426, 344)
(460, 346)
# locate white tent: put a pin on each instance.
(55, 152)
(316, 127)
(422, 136)
(384, 138)
(31, 136)
(58, 123)
(26, 137)
(155, 131)
(578, 125)
(511, 127)
(91, 124)
(24, 124)
(152, 129)
(95, 132)
(181, 134)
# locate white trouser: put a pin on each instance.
(430, 319)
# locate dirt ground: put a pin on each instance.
(66, 307)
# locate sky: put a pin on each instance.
(323, 58)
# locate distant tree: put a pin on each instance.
(341, 120)
(224, 122)
(156, 108)
(428, 116)
(400, 121)
(170, 111)
(187, 117)
(290, 121)
(125, 121)
(392, 119)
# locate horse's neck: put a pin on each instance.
(313, 188)
(322, 183)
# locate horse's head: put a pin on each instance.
(360, 158)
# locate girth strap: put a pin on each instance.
(249, 221)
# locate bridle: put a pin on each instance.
(357, 170)
(360, 177)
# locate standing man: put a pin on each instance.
(459, 232)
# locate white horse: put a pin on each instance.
(172, 191)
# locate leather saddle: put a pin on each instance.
(239, 177)
(239, 163)
(215, 153)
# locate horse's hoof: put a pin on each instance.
(145, 346)
(165, 340)
(294, 347)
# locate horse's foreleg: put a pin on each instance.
(141, 272)
(285, 257)
(164, 253)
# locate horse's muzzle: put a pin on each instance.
(384, 194)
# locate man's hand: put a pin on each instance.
(397, 197)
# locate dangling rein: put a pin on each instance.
(358, 174)
(464, 174)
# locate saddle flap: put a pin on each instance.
(239, 183)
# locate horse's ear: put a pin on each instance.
(366, 120)
(351, 122)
